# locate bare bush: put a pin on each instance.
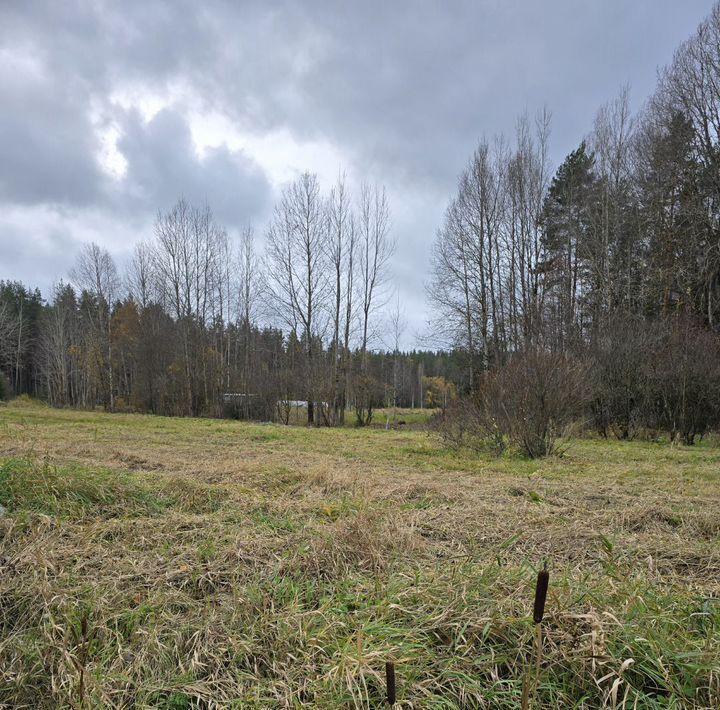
(661, 375)
(368, 397)
(530, 402)
(622, 395)
(465, 424)
(685, 381)
(535, 398)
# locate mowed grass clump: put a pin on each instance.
(71, 491)
(147, 562)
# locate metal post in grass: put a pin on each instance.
(390, 682)
(541, 588)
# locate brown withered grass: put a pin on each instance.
(155, 562)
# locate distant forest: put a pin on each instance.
(619, 248)
(201, 325)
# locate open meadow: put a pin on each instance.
(176, 563)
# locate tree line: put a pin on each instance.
(201, 324)
(627, 224)
(613, 260)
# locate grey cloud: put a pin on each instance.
(162, 165)
(47, 144)
(36, 259)
(404, 86)
(402, 89)
(413, 85)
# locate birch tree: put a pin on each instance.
(96, 274)
(296, 262)
(250, 287)
(341, 258)
(375, 249)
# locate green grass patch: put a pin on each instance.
(74, 491)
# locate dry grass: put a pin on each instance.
(153, 562)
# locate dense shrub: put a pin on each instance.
(368, 397)
(465, 424)
(639, 377)
(685, 382)
(661, 375)
(622, 394)
(530, 403)
(535, 398)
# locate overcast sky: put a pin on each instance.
(111, 111)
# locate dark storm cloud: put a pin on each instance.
(401, 90)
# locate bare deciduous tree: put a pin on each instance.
(187, 263)
(375, 248)
(341, 253)
(249, 291)
(95, 273)
(297, 270)
(398, 325)
(140, 279)
(487, 283)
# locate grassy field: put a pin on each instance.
(177, 563)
